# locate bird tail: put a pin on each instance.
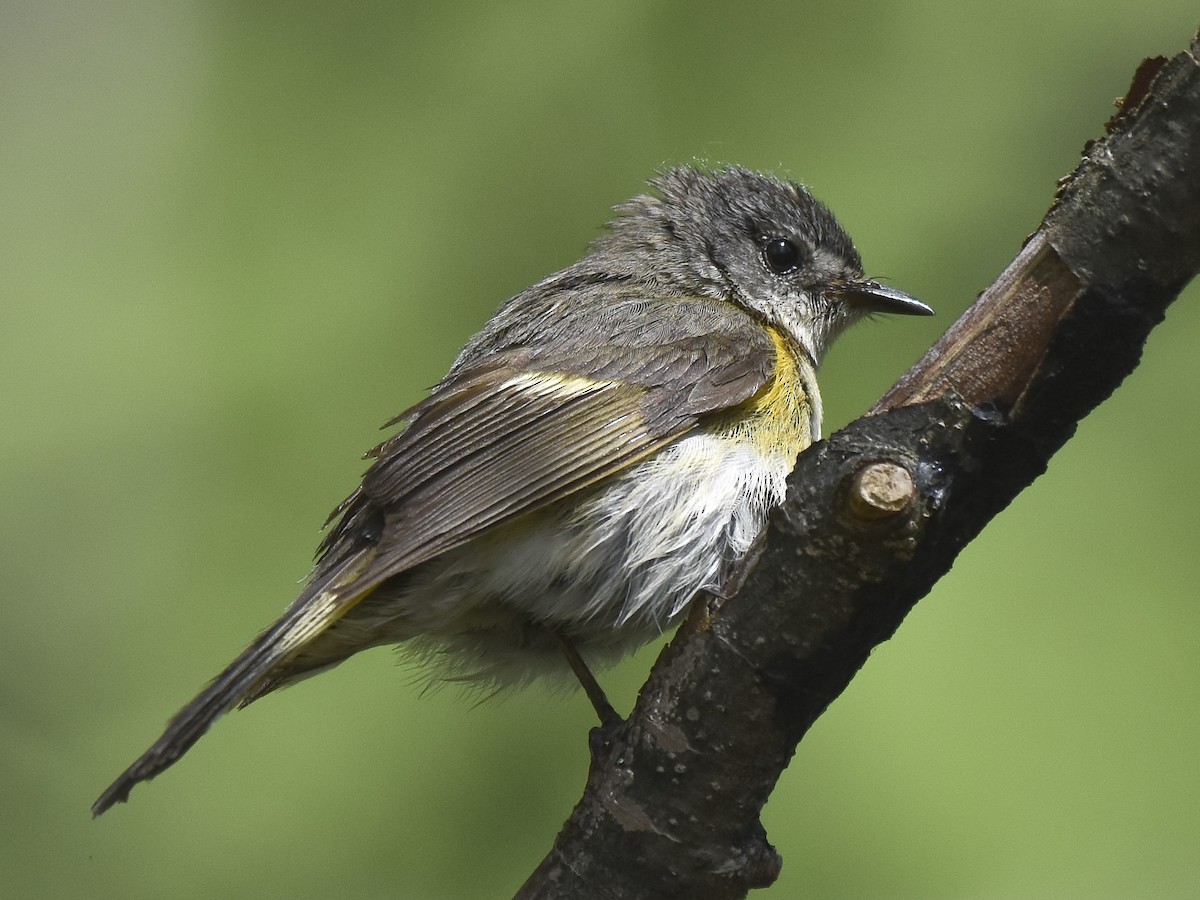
(321, 604)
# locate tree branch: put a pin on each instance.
(878, 513)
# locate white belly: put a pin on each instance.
(610, 572)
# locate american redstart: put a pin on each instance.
(605, 450)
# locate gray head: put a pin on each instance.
(752, 239)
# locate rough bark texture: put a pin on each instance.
(878, 513)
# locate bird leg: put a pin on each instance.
(591, 687)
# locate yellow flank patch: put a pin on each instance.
(779, 418)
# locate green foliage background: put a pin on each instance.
(234, 237)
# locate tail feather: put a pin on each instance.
(314, 611)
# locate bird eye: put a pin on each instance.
(782, 256)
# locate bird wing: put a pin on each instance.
(524, 428)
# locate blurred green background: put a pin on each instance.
(236, 237)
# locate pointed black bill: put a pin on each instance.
(873, 297)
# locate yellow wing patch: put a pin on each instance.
(318, 614)
(554, 383)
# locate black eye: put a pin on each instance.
(782, 256)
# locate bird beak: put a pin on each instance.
(873, 297)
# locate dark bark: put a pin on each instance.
(878, 513)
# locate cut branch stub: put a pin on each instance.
(881, 490)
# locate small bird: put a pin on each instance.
(603, 452)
